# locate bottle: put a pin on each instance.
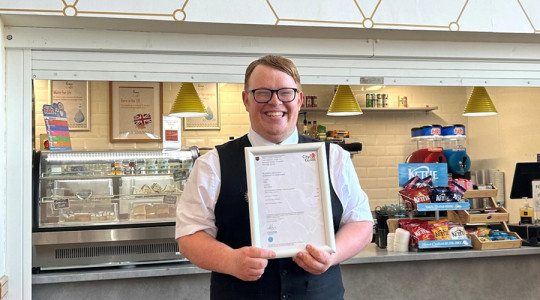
(322, 132)
(525, 214)
(368, 100)
(379, 101)
(314, 133)
(385, 100)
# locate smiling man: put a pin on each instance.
(212, 224)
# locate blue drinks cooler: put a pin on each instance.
(454, 149)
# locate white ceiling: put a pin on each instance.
(259, 30)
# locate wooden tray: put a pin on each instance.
(506, 244)
(465, 216)
(480, 193)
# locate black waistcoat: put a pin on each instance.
(282, 278)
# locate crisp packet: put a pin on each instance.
(440, 194)
(439, 228)
(414, 196)
(428, 181)
(413, 183)
(457, 232)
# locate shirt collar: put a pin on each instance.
(257, 140)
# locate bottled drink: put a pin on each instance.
(314, 132)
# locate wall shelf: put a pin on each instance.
(370, 109)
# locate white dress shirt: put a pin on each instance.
(195, 209)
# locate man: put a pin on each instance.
(212, 226)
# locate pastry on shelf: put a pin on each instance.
(139, 212)
(156, 188)
(145, 189)
(162, 210)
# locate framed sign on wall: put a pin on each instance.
(71, 99)
(209, 95)
(135, 111)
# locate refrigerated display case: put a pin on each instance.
(107, 208)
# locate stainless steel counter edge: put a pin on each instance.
(371, 254)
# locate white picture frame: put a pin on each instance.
(289, 198)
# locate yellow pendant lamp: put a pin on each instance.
(479, 104)
(188, 103)
(344, 103)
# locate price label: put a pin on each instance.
(170, 199)
(61, 203)
(180, 175)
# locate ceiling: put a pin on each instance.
(259, 30)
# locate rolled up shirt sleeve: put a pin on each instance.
(195, 208)
(347, 187)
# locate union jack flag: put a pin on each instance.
(141, 120)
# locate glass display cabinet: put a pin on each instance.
(104, 208)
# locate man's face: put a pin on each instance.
(275, 120)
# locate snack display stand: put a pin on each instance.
(437, 207)
(498, 214)
(393, 224)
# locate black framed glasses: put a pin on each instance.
(265, 95)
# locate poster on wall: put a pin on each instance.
(135, 111)
(209, 95)
(171, 133)
(71, 98)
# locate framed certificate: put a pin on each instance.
(289, 198)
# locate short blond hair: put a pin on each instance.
(280, 63)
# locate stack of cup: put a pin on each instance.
(390, 241)
(401, 240)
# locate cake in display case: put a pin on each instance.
(102, 208)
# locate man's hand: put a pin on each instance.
(250, 262)
(314, 261)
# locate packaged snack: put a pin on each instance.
(440, 194)
(483, 231)
(439, 228)
(428, 181)
(456, 231)
(456, 187)
(418, 230)
(456, 191)
(414, 196)
(413, 183)
(480, 231)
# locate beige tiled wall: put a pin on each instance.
(493, 142)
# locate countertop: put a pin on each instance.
(371, 254)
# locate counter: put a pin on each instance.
(374, 273)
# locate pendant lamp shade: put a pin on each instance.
(344, 103)
(187, 103)
(479, 104)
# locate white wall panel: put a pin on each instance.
(19, 166)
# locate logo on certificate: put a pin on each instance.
(310, 157)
